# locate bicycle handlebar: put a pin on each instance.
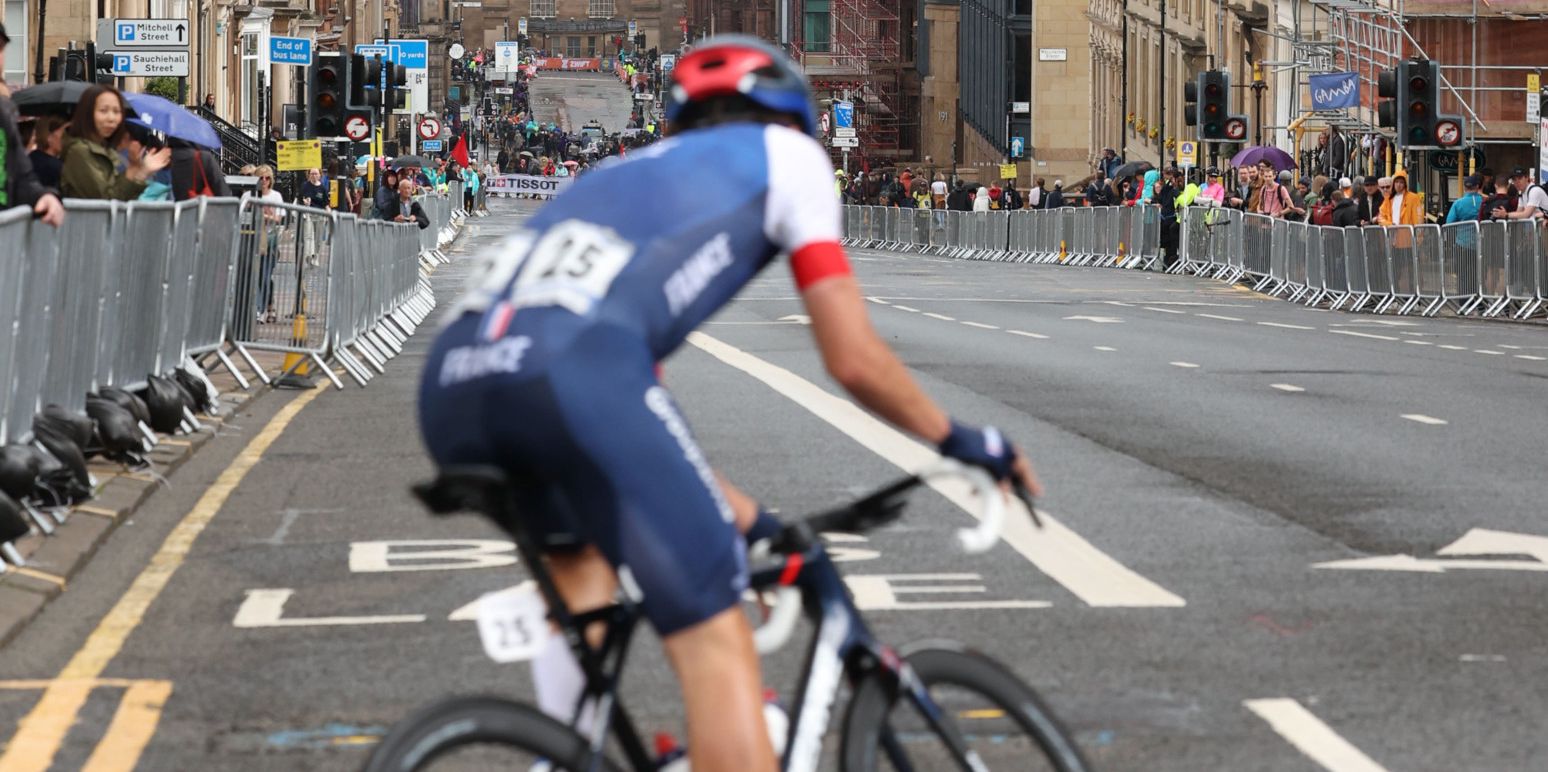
(876, 509)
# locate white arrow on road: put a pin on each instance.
(1478, 541)
(1096, 319)
(797, 318)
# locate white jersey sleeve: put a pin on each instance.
(801, 208)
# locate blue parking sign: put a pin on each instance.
(125, 32)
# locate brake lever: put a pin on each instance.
(1026, 498)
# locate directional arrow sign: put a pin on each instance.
(1097, 319)
(159, 33)
(1478, 541)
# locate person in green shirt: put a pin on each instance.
(90, 157)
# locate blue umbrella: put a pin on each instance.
(1257, 154)
(172, 119)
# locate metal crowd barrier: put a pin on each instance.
(126, 290)
(1127, 237)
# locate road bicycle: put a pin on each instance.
(933, 705)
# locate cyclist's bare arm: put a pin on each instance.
(861, 362)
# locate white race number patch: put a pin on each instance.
(513, 623)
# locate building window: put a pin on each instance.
(591, 45)
(573, 50)
(816, 28)
(599, 9)
(247, 86)
(544, 9)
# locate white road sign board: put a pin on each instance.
(133, 64)
(152, 33)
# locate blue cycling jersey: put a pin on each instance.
(656, 243)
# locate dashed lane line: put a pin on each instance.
(1184, 365)
(1311, 737)
(1221, 318)
(1425, 419)
(1284, 326)
(941, 317)
(1532, 358)
(1489, 352)
(1104, 348)
(878, 301)
(981, 325)
(1363, 334)
(1293, 389)
(1450, 347)
(1164, 310)
(1420, 342)
(1025, 334)
(905, 308)
(1066, 557)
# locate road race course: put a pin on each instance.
(1205, 450)
(573, 99)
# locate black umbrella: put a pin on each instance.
(408, 161)
(54, 97)
(1132, 169)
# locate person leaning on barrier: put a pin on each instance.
(19, 186)
(1466, 208)
(1531, 201)
(404, 208)
(1346, 214)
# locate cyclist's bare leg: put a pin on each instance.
(717, 667)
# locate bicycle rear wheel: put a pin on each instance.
(481, 733)
(1000, 719)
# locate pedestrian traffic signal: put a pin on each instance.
(325, 96)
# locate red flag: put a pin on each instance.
(460, 152)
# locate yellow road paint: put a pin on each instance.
(53, 579)
(356, 739)
(982, 713)
(43, 730)
(131, 729)
(39, 684)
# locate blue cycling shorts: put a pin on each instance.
(611, 459)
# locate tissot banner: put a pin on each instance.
(1335, 91)
(529, 185)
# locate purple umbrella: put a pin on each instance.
(1257, 154)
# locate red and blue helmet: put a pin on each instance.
(740, 65)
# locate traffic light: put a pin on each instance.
(325, 96)
(1387, 93)
(639, 40)
(1412, 106)
(397, 87)
(1191, 102)
(359, 98)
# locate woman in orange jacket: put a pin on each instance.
(1403, 207)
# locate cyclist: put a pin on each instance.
(546, 368)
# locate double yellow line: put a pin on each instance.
(41, 733)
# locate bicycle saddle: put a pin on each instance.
(484, 489)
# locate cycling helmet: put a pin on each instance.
(731, 65)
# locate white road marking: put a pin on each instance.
(1116, 303)
(1066, 557)
(1104, 348)
(1476, 542)
(1450, 347)
(1186, 365)
(1512, 348)
(1287, 326)
(1221, 318)
(1424, 419)
(906, 308)
(1026, 334)
(1096, 319)
(1481, 658)
(1164, 310)
(796, 318)
(266, 608)
(1487, 351)
(1286, 387)
(878, 300)
(1363, 334)
(1312, 737)
(1531, 358)
(941, 317)
(981, 325)
(1420, 342)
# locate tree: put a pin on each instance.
(164, 87)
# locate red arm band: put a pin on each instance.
(817, 261)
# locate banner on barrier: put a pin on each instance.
(527, 184)
(593, 64)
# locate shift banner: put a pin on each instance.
(528, 185)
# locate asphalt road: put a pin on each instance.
(573, 99)
(1205, 451)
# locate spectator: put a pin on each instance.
(1011, 198)
(1055, 198)
(1147, 191)
(403, 207)
(1109, 163)
(1248, 190)
(921, 196)
(1038, 194)
(19, 186)
(1273, 196)
(981, 200)
(1467, 208)
(384, 195)
(1531, 201)
(1368, 201)
(1213, 193)
(1347, 186)
(314, 192)
(48, 134)
(349, 188)
(1500, 201)
(90, 162)
(209, 102)
(938, 191)
(271, 220)
(960, 199)
(1405, 207)
(1345, 213)
(1335, 153)
(196, 173)
(1171, 186)
(994, 195)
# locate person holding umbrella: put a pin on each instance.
(90, 159)
(20, 186)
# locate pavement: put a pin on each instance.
(573, 99)
(1276, 538)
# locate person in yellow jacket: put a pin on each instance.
(1403, 207)
(838, 183)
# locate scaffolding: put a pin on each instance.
(863, 57)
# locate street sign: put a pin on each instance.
(1021, 107)
(152, 33)
(843, 115)
(290, 50)
(1542, 151)
(667, 62)
(1187, 154)
(846, 142)
(644, 96)
(134, 64)
(413, 54)
(357, 128)
(1534, 98)
(505, 54)
(844, 131)
(1445, 161)
(634, 28)
(521, 26)
(431, 146)
(1007, 171)
(369, 50)
(429, 128)
(299, 155)
(456, 51)
(504, 91)
(1018, 147)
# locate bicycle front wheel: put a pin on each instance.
(481, 733)
(999, 718)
